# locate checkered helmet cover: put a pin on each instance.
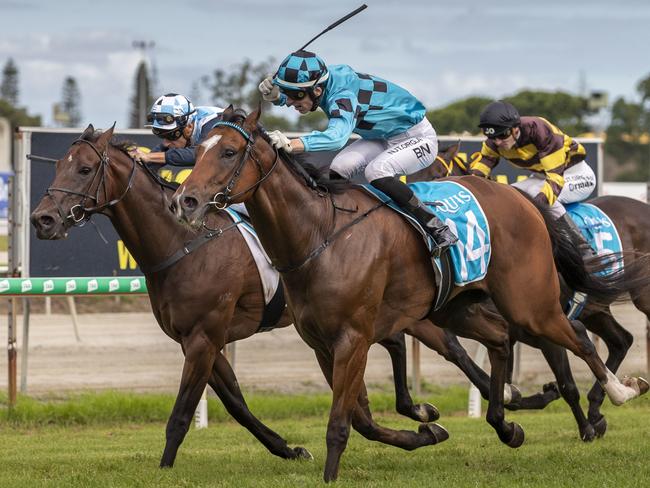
(179, 106)
(301, 70)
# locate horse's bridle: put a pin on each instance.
(450, 166)
(223, 198)
(79, 214)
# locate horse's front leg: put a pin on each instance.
(421, 412)
(199, 357)
(510, 434)
(349, 364)
(225, 385)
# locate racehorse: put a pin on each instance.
(632, 221)
(355, 274)
(199, 312)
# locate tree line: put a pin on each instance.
(627, 133)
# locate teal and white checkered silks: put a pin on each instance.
(301, 70)
(177, 105)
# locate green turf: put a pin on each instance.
(55, 443)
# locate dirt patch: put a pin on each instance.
(128, 351)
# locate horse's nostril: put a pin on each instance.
(190, 203)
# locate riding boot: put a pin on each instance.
(442, 235)
(576, 236)
(578, 300)
(403, 196)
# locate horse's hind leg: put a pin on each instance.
(421, 412)
(445, 343)
(199, 357)
(224, 383)
(618, 341)
(469, 319)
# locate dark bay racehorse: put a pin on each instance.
(209, 298)
(200, 312)
(355, 274)
(632, 221)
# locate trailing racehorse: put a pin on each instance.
(355, 274)
(631, 219)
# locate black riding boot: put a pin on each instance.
(406, 199)
(579, 299)
(576, 236)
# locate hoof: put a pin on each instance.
(302, 453)
(427, 412)
(589, 434)
(517, 438)
(639, 385)
(438, 432)
(600, 426)
(551, 389)
(511, 394)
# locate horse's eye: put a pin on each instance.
(85, 170)
(228, 153)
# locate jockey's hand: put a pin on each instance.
(269, 91)
(280, 141)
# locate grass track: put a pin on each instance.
(115, 452)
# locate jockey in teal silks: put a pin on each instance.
(396, 138)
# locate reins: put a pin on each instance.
(225, 197)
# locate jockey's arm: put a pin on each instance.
(341, 113)
(487, 160)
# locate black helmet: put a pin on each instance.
(498, 117)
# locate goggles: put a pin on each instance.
(169, 134)
(164, 119)
(504, 134)
(294, 94)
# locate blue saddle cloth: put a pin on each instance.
(457, 207)
(597, 228)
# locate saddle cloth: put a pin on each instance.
(269, 276)
(598, 230)
(458, 208)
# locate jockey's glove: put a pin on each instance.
(280, 141)
(269, 91)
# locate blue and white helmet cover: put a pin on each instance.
(301, 70)
(177, 105)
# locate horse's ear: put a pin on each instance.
(104, 139)
(250, 123)
(452, 151)
(90, 130)
(227, 113)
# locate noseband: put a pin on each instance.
(79, 214)
(223, 198)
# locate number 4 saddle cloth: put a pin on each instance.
(458, 208)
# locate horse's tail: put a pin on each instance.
(595, 276)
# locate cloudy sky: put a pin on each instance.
(440, 51)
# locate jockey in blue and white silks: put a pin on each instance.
(181, 126)
(396, 138)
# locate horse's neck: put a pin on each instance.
(290, 219)
(142, 219)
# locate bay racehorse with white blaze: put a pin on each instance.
(355, 273)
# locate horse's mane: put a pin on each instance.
(314, 177)
(125, 146)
